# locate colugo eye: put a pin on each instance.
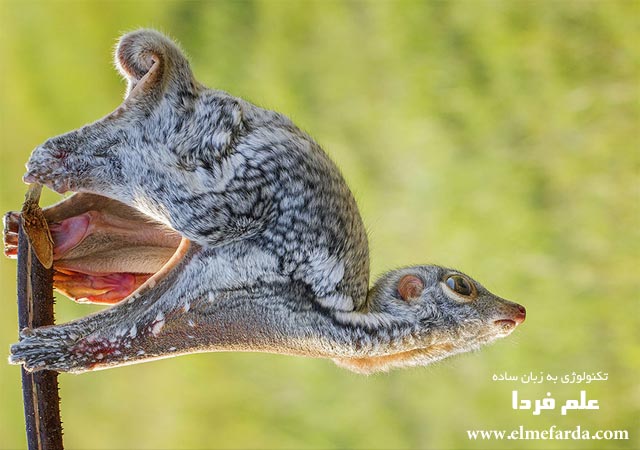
(460, 285)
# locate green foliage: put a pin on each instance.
(497, 137)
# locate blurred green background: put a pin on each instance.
(500, 138)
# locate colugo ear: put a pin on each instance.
(151, 62)
(410, 287)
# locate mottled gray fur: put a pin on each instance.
(279, 258)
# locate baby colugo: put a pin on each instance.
(216, 225)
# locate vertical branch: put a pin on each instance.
(35, 309)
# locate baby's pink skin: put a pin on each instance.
(69, 233)
(103, 289)
(83, 284)
(85, 287)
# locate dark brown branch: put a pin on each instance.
(35, 309)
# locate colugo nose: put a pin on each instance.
(522, 314)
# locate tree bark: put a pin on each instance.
(35, 309)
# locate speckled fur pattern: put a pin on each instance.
(279, 260)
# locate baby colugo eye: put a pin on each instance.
(460, 285)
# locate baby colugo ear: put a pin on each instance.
(151, 63)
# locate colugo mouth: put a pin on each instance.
(507, 325)
(104, 250)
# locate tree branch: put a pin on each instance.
(35, 309)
